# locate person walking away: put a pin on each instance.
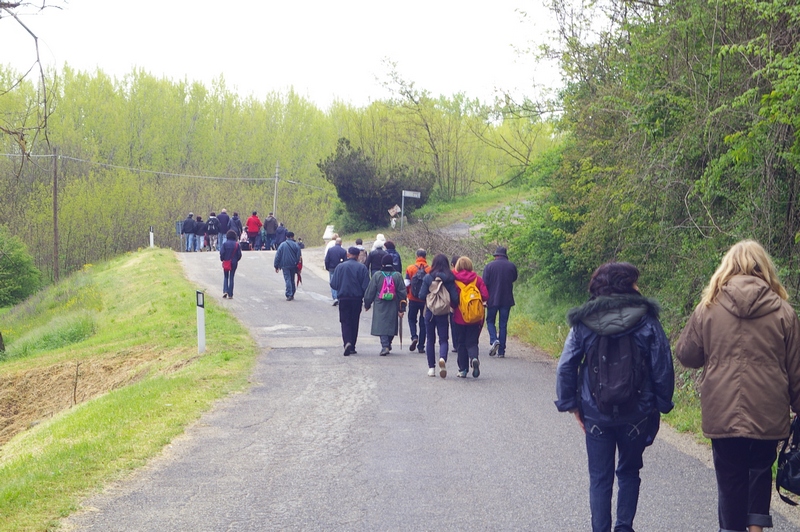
(615, 320)
(199, 233)
(438, 288)
(281, 234)
(379, 242)
(287, 259)
(387, 292)
(236, 225)
(350, 280)
(261, 239)
(230, 253)
(253, 224)
(224, 225)
(335, 256)
(415, 274)
(396, 261)
(212, 228)
(331, 242)
(469, 316)
(375, 259)
(187, 228)
(270, 228)
(301, 243)
(362, 253)
(746, 337)
(499, 276)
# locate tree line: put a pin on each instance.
(144, 151)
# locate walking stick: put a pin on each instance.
(400, 328)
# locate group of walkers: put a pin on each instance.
(616, 376)
(203, 235)
(447, 298)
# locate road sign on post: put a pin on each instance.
(407, 194)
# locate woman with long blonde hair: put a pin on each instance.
(744, 334)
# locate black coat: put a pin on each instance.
(224, 222)
(188, 226)
(200, 228)
(499, 276)
(374, 260)
(335, 255)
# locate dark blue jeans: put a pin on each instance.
(491, 315)
(270, 242)
(416, 315)
(227, 282)
(434, 325)
(602, 443)
(288, 277)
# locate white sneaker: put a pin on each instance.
(431, 372)
(442, 368)
(494, 348)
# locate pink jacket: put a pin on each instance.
(467, 277)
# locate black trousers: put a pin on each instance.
(349, 317)
(744, 481)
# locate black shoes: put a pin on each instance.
(348, 348)
(413, 345)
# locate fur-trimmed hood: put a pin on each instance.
(609, 315)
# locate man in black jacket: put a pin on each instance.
(350, 280)
(188, 229)
(499, 276)
(335, 256)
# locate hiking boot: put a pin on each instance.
(348, 348)
(495, 347)
(476, 368)
(413, 345)
(384, 351)
(442, 368)
(431, 372)
(462, 374)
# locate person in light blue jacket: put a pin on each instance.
(615, 309)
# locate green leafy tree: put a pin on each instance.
(19, 278)
(367, 191)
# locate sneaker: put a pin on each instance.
(413, 345)
(348, 348)
(501, 355)
(421, 351)
(431, 372)
(353, 351)
(225, 296)
(476, 368)
(335, 302)
(494, 348)
(454, 350)
(384, 351)
(462, 374)
(230, 296)
(442, 368)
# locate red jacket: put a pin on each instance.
(411, 270)
(253, 224)
(467, 277)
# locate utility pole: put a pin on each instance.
(55, 214)
(275, 196)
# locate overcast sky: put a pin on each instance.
(323, 49)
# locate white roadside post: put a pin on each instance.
(151, 237)
(201, 323)
(406, 194)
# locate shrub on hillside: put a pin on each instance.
(19, 278)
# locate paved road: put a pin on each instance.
(324, 442)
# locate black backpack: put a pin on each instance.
(788, 476)
(617, 373)
(213, 225)
(416, 281)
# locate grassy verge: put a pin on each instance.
(135, 314)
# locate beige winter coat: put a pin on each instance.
(747, 344)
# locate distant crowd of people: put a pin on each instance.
(253, 234)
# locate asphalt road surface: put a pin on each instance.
(326, 442)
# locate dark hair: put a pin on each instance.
(289, 235)
(230, 235)
(388, 244)
(235, 213)
(454, 260)
(199, 218)
(255, 212)
(614, 278)
(212, 213)
(359, 242)
(422, 253)
(386, 262)
(439, 264)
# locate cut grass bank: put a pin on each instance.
(101, 371)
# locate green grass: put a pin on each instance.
(463, 208)
(138, 306)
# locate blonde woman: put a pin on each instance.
(744, 335)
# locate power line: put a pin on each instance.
(163, 174)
